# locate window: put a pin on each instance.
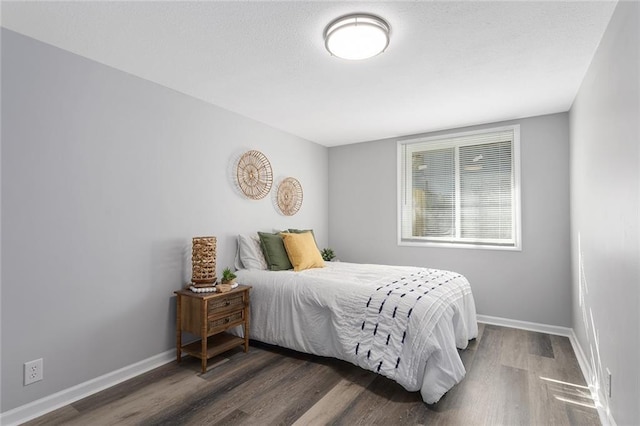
(461, 189)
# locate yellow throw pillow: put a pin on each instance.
(302, 250)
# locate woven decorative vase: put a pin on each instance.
(203, 260)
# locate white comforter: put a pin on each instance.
(402, 322)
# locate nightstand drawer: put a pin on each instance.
(221, 323)
(230, 302)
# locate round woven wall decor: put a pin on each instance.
(254, 174)
(289, 196)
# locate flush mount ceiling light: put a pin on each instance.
(357, 36)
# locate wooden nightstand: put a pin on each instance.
(209, 315)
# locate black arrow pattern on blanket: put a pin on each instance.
(400, 296)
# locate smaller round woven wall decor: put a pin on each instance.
(289, 196)
(254, 174)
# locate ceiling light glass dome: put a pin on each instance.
(357, 36)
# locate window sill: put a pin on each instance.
(459, 245)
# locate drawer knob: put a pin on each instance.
(227, 303)
(226, 320)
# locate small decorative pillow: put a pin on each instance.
(302, 250)
(274, 252)
(250, 252)
(302, 231)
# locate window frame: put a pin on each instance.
(442, 141)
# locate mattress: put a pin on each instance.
(405, 323)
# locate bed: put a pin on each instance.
(405, 323)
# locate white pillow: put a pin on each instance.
(250, 252)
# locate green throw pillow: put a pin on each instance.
(274, 252)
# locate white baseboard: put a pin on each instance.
(605, 415)
(583, 361)
(525, 325)
(50, 403)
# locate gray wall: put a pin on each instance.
(605, 213)
(528, 285)
(105, 179)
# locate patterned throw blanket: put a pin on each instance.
(397, 320)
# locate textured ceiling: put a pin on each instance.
(449, 64)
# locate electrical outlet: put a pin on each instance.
(608, 390)
(33, 371)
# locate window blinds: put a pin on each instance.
(460, 189)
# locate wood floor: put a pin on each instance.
(514, 377)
